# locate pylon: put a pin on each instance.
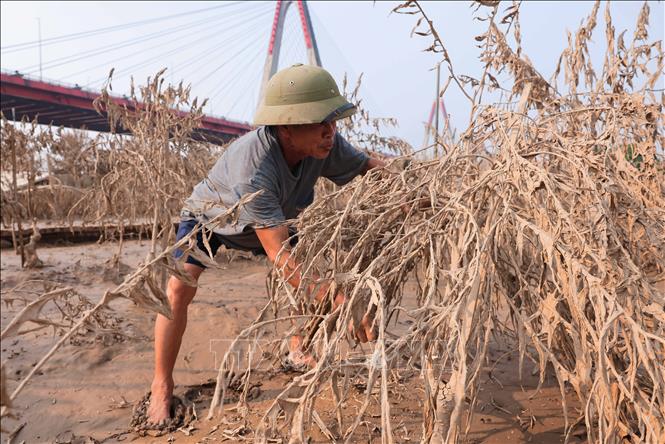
(272, 58)
(429, 129)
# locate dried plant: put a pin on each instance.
(152, 168)
(139, 176)
(22, 148)
(76, 313)
(549, 208)
(364, 131)
(148, 173)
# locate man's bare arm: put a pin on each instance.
(373, 162)
(272, 239)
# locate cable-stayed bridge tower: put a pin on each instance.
(272, 58)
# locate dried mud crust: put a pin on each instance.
(183, 410)
(203, 393)
(181, 416)
(70, 438)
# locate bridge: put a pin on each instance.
(50, 103)
(71, 107)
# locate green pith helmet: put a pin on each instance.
(302, 94)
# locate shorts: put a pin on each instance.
(215, 241)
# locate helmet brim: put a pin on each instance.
(334, 108)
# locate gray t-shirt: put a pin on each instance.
(255, 162)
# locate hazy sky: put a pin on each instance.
(221, 51)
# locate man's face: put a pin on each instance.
(312, 140)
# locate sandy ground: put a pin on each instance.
(86, 392)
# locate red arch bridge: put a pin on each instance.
(59, 105)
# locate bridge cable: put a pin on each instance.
(347, 67)
(258, 74)
(159, 45)
(77, 35)
(297, 41)
(236, 37)
(288, 49)
(114, 47)
(207, 54)
(236, 74)
(147, 62)
(225, 62)
(230, 85)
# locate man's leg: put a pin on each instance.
(168, 337)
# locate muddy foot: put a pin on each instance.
(159, 409)
(180, 415)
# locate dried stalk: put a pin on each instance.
(549, 208)
(139, 287)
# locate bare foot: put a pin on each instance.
(297, 355)
(159, 411)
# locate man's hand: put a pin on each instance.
(272, 240)
(364, 331)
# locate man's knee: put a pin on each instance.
(180, 293)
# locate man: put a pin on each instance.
(296, 144)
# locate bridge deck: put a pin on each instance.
(72, 107)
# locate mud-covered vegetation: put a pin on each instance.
(540, 224)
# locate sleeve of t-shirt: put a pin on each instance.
(344, 162)
(264, 210)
